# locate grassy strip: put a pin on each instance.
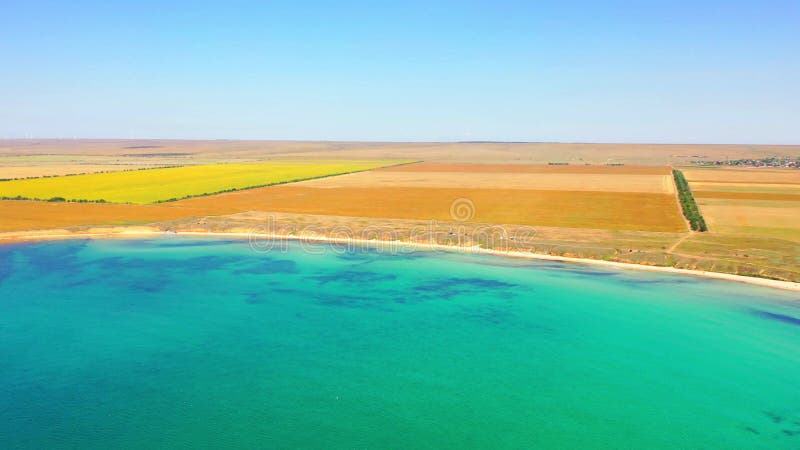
(690, 209)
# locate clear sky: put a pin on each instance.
(669, 71)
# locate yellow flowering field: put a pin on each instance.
(155, 185)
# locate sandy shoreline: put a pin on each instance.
(151, 232)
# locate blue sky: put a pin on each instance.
(697, 72)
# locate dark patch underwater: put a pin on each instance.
(447, 288)
(352, 276)
(266, 266)
(776, 317)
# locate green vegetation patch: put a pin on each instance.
(689, 206)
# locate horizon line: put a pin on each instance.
(359, 141)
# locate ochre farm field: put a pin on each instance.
(148, 186)
(574, 209)
(741, 176)
(746, 195)
(598, 182)
(20, 215)
(764, 188)
(757, 218)
(530, 168)
(749, 202)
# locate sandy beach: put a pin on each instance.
(143, 232)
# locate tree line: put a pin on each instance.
(689, 206)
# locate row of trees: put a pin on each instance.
(52, 199)
(690, 209)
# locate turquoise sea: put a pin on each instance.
(206, 343)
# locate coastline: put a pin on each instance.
(128, 232)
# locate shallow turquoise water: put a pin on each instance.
(178, 342)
